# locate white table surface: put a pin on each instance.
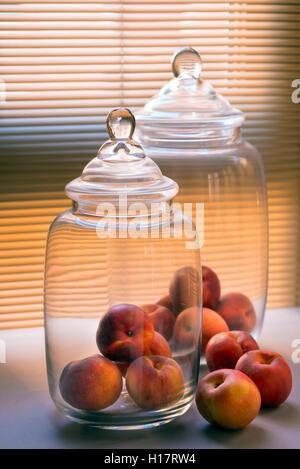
(28, 418)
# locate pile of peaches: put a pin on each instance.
(134, 344)
(242, 377)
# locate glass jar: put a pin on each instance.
(194, 134)
(122, 292)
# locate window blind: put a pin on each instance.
(65, 65)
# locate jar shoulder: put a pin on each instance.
(248, 150)
(64, 218)
(239, 150)
(241, 157)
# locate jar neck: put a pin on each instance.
(120, 209)
(187, 136)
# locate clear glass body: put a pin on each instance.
(216, 168)
(87, 275)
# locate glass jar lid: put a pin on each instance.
(187, 99)
(121, 168)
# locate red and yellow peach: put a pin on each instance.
(124, 333)
(271, 374)
(238, 311)
(186, 326)
(185, 289)
(159, 346)
(224, 349)
(211, 287)
(212, 324)
(93, 383)
(228, 398)
(154, 382)
(162, 319)
(166, 302)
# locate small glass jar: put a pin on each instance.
(122, 292)
(194, 134)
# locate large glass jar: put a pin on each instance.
(194, 134)
(122, 292)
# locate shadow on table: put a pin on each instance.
(252, 436)
(286, 413)
(76, 434)
(188, 431)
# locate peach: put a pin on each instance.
(154, 382)
(211, 287)
(162, 319)
(185, 289)
(186, 326)
(271, 374)
(166, 302)
(238, 311)
(159, 346)
(224, 349)
(228, 398)
(212, 323)
(125, 332)
(93, 383)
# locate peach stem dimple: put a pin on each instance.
(158, 366)
(216, 385)
(267, 361)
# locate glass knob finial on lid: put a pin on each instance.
(187, 99)
(120, 123)
(187, 61)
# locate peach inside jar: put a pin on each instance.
(125, 332)
(155, 382)
(133, 342)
